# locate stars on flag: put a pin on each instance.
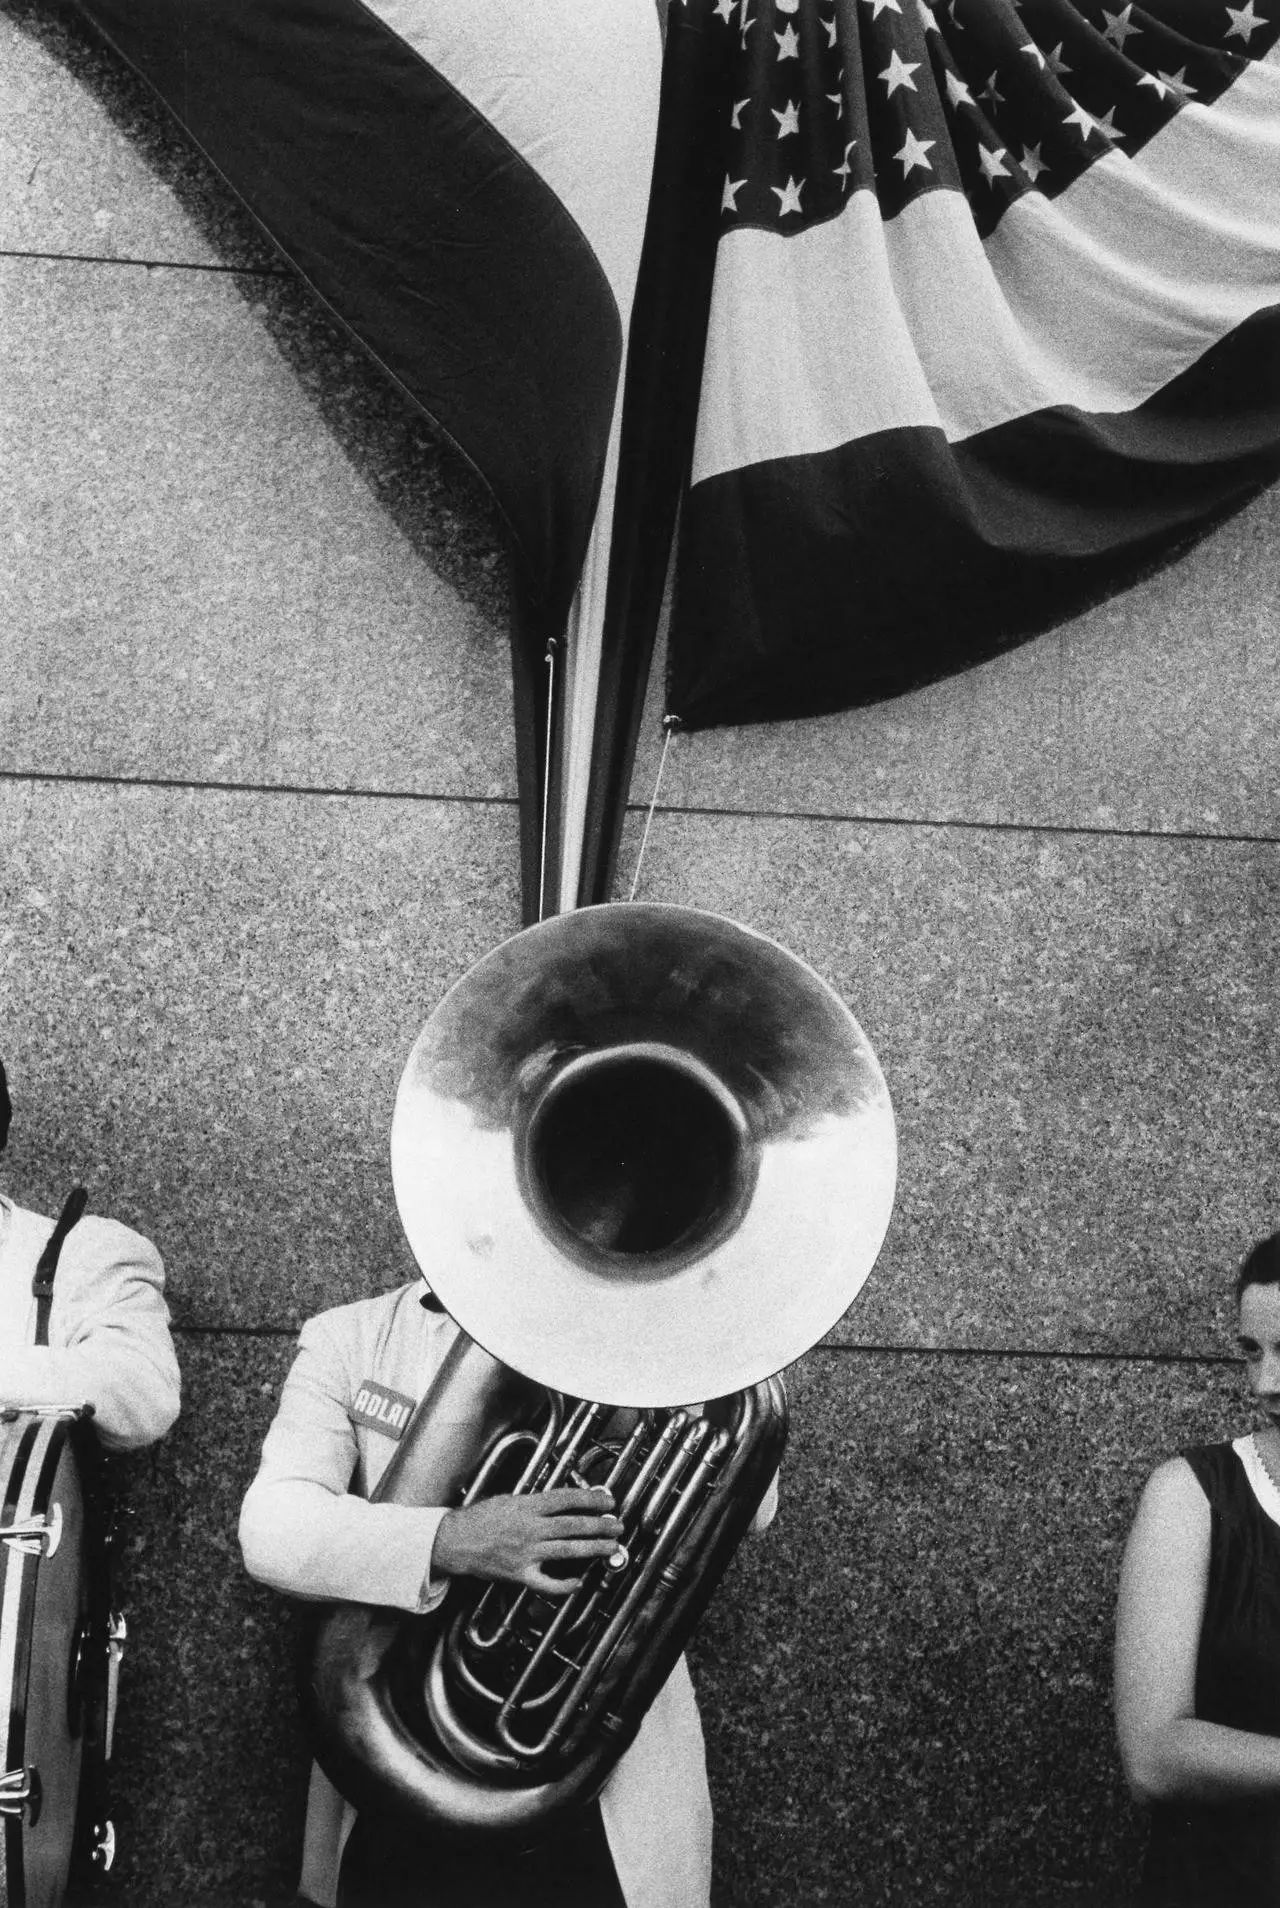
(789, 197)
(1169, 83)
(990, 98)
(898, 73)
(914, 152)
(1085, 121)
(1245, 22)
(1119, 27)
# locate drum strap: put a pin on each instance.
(47, 1264)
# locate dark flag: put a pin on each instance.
(991, 318)
(465, 187)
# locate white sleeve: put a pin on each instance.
(768, 1509)
(302, 1529)
(111, 1349)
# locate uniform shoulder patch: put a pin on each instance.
(381, 1409)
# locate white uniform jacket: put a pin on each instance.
(307, 1530)
(109, 1343)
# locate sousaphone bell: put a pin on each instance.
(645, 1158)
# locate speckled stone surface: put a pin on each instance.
(212, 995)
(210, 1772)
(906, 1683)
(231, 554)
(1080, 1037)
(92, 166)
(1159, 709)
(208, 1002)
(875, 1674)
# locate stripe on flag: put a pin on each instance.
(994, 313)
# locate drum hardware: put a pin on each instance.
(117, 1637)
(20, 1795)
(644, 1157)
(103, 1853)
(10, 1412)
(35, 1536)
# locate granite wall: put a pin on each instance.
(256, 784)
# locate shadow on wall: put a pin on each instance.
(426, 488)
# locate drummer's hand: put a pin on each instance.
(515, 1538)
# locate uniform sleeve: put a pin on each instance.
(112, 1346)
(768, 1509)
(302, 1529)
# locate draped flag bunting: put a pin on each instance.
(946, 319)
(993, 315)
(465, 187)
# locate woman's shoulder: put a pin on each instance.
(1184, 1482)
(1197, 1475)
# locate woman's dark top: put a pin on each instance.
(1228, 1856)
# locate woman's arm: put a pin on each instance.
(1167, 1752)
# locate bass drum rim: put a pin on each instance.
(44, 1605)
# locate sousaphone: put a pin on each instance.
(645, 1158)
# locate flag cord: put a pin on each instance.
(670, 724)
(550, 659)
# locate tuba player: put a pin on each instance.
(308, 1530)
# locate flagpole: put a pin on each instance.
(580, 727)
(652, 449)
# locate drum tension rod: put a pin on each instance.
(104, 1847)
(20, 1793)
(35, 1536)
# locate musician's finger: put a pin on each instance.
(549, 1586)
(575, 1549)
(582, 1527)
(595, 1500)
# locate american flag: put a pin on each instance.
(988, 99)
(946, 316)
(980, 317)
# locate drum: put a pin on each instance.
(57, 1656)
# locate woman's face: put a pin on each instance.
(1260, 1345)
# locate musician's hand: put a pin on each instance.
(515, 1538)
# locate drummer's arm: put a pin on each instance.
(112, 1348)
(303, 1531)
